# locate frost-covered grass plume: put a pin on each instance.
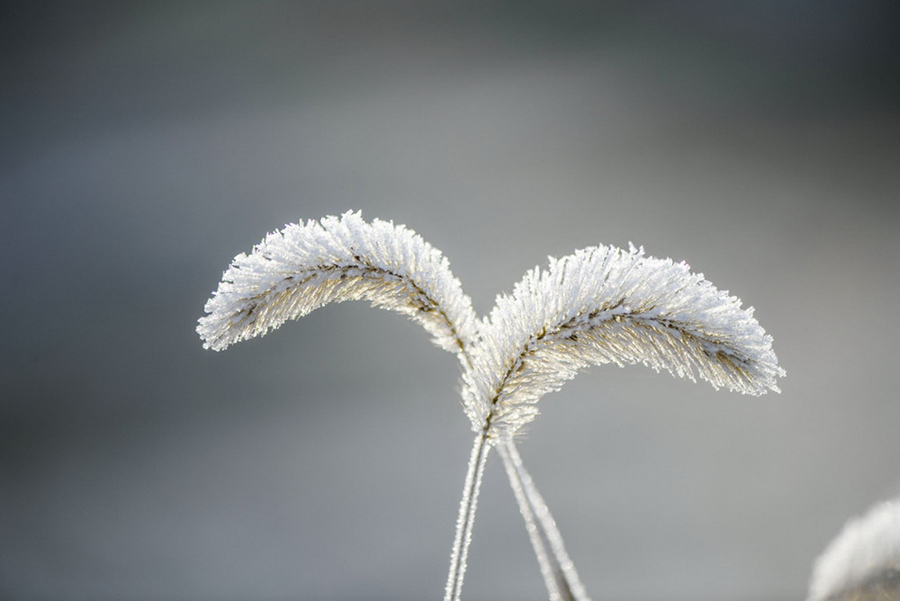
(863, 562)
(599, 305)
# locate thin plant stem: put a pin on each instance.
(549, 568)
(557, 568)
(466, 520)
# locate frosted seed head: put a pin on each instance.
(300, 268)
(606, 305)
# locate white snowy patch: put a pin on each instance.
(866, 554)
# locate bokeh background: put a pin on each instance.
(143, 145)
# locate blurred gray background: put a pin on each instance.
(143, 145)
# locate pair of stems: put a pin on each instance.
(557, 569)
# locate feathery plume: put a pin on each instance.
(863, 562)
(300, 268)
(607, 305)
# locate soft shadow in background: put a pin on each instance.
(145, 144)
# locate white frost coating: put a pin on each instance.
(300, 268)
(607, 305)
(863, 562)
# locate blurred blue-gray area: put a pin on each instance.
(143, 145)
